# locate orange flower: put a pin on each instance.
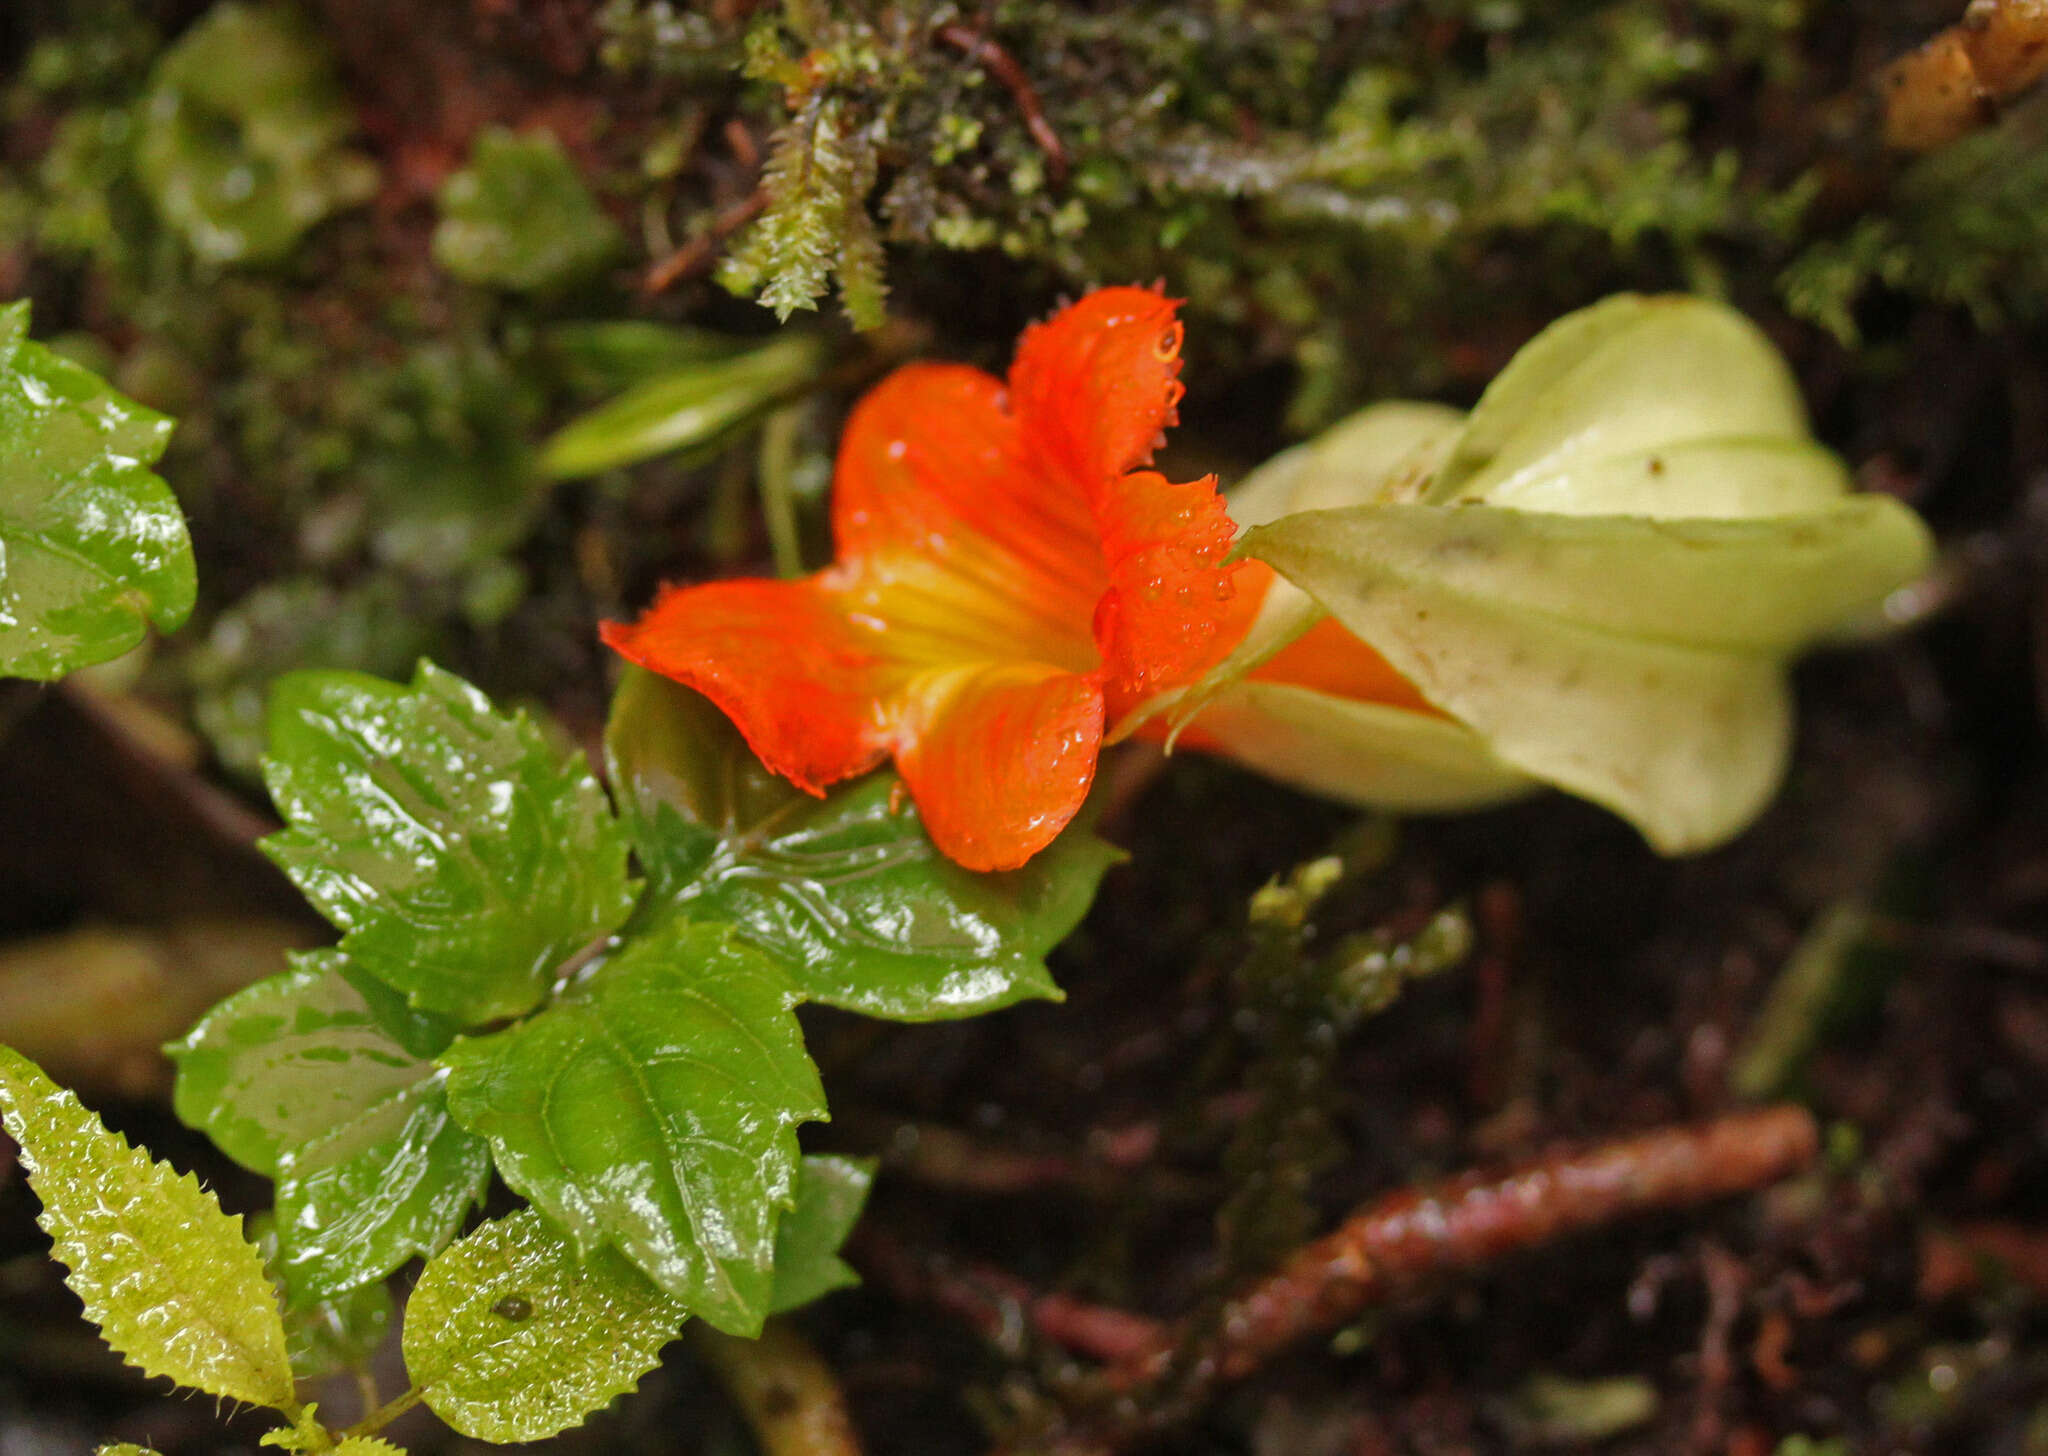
(1007, 581)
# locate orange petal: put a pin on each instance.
(783, 662)
(1171, 609)
(932, 467)
(999, 757)
(1329, 659)
(1094, 385)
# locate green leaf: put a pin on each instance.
(465, 859)
(684, 408)
(830, 1193)
(323, 1336)
(1636, 662)
(367, 1446)
(126, 1448)
(323, 1078)
(847, 891)
(173, 1286)
(652, 1108)
(519, 217)
(93, 551)
(511, 1336)
(241, 135)
(607, 355)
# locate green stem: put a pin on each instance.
(385, 1414)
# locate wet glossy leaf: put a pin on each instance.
(653, 1108)
(519, 217)
(93, 551)
(846, 891)
(325, 1335)
(124, 1449)
(465, 859)
(830, 1193)
(510, 1335)
(688, 407)
(322, 1078)
(241, 135)
(173, 1286)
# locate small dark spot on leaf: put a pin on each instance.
(513, 1307)
(1656, 465)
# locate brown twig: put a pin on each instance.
(1003, 66)
(696, 253)
(1001, 1306)
(786, 1393)
(1402, 1240)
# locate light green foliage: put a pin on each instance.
(606, 356)
(821, 168)
(1553, 1410)
(690, 406)
(366, 1446)
(846, 892)
(1598, 581)
(167, 1277)
(519, 217)
(240, 136)
(464, 857)
(652, 1108)
(830, 1193)
(322, 1078)
(124, 1449)
(511, 1335)
(93, 550)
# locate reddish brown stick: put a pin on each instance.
(1404, 1239)
(697, 252)
(1003, 66)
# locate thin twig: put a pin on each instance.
(1003, 66)
(695, 255)
(1398, 1242)
(787, 1394)
(1001, 1306)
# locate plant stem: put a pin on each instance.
(385, 1414)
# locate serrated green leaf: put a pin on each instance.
(367, 1446)
(93, 550)
(519, 217)
(173, 1286)
(241, 134)
(322, 1078)
(511, 1336)
(124, 1449)
(1636, 662)
(847, 892)
(465, 859)
(830, 1193)
(653, 1108)
(685, 408)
